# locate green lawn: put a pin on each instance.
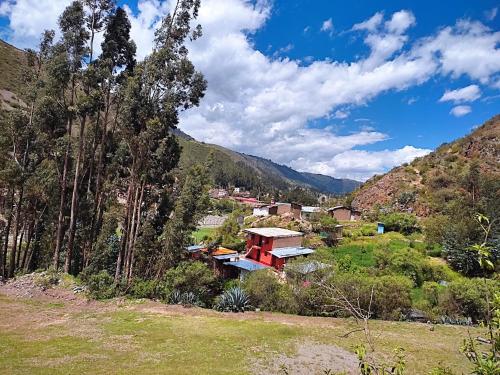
(129, 337)
(202, 232)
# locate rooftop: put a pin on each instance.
(273, 232)
(311, 209)
(337, 207)
(288, 252)
(246, 264)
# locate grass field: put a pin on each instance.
(123, 337)
(200, 233)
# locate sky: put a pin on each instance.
(348, 89)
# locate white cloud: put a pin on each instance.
(361, 165)
(263, 106)
(491, 14)
(371, 23)
(460, 110)
(400, 22)
(468, 48)
(465, 94)
(327, 25)
(29, 18)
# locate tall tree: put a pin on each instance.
(164, 84)
(74, 38)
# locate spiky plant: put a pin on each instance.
(175, 298)
(233, 300)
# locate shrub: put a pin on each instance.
(101, 285)
(233, 300)
(467, 297)
(144, 289)
(47, 279)
(266, 292)
(435, 227)
(194, 277)
(391, 294)
(400, 222)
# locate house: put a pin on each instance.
(296, 211)
(262, 210)
(274, 246)
(343, 213)
(218, 193)
(280, 208)
(252, 202)
(212, 221)
(272, 209)
(214, 257)
(307, 211)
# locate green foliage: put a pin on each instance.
(391, 294)
(368, 366)
(400, 222)
(144, 289)
(468, 297)
(268, 293)
(101, 286)
(192, 277)
(233, 300)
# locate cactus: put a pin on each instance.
(234, 299)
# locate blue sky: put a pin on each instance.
(348, 89)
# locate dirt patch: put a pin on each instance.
(310, 359)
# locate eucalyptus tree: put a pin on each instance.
(165, 83)
(72, 51)
(20, 142)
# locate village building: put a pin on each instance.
(307, 211)
(274, 246)
(272, 209)
(343, 213)
(218, 193)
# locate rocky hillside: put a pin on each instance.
(426, 184)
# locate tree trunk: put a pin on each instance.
(20, 246)
(28, 243)
(136, 231)
(64, 185)
(74, 200)
(3, 263)
(121, 253)
(12, 260)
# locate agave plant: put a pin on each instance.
(234, 299)
(175, 298)
(189, 298)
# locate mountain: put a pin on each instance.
(256, 173)
(430, 183)
(229, 167)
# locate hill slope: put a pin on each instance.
(230, 167)
(253, 172)
(429, 182)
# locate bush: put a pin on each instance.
(144, 289)
(467, 297)
(400, 222)
(101, 286)
(233, 300)
(266, 292)
(195, 277)
(391, 294)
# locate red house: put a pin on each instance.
(274, 246)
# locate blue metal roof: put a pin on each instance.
(246, 264)
(226, 256)
(287, 252)
(194, 248)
